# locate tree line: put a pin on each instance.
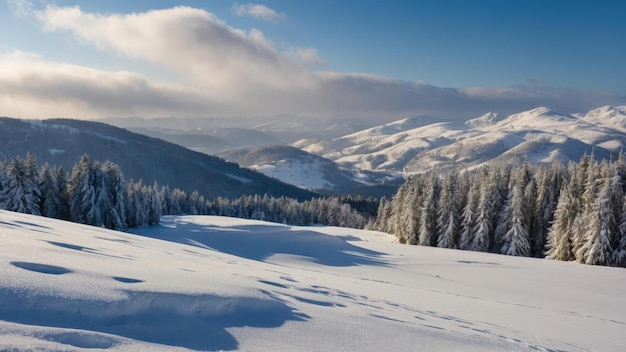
(572, 213)
(97, 194)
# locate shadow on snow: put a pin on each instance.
(197, 322)
(259, 242)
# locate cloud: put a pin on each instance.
(258, 11)
(192, 42)
(226, 71)
(33, 87)
(21, 8)
(307, 56)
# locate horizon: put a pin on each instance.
(370, 60)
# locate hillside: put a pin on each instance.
(416, 145)
(63, 142)
(297, 167)
(211, 283)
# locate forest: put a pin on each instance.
(571, 213)
(97, 194)
(574, 212)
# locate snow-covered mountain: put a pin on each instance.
(297, 167)
(417, 145)
(213, 283)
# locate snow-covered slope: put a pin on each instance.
(416, 145)
(211, 283)
(292, 165)
(613, 116)
(299, 168)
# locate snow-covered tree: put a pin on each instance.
(448, 221)
(600, 230)
(51, 200)
(469, 216)
(485, 215)
(619, 254)
(428, 217)
(20, 192)
(516, 241)
(81, 190)
(559, 240)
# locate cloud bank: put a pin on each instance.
(226, 71)
(258, 11)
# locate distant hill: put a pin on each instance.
(63, 141)
(306, 170)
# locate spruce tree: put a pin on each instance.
(560, 237)
(448, 221)
(516, 241)
(600, 230)
(20, 192)
(428, 217)
(468, 217)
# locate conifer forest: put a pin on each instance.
(572, 213)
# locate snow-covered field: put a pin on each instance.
(211, 283)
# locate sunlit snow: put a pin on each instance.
(213, 283)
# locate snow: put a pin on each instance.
(414, 145)
(55, 151)
(301, 173)
(213, 283)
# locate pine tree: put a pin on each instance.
(619, 254)
(545, 206)
(116, 189)
(486, 212)
(600, 230)
(428, 217)
(20, 192)
(560, 237)
(448, 221)
(81, 190)
(50, 198)
(585, 215)
(469, 217)
(137, 205)
(516, 241)
(61, 182)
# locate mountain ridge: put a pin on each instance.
(541, 135)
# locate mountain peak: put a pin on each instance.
(487, 119)
(613, 116)
(535, 116)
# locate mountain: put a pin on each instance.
(417, 145)
(63, 142)
(198, 283)
(213, 135)
(297, 167)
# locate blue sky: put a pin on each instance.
(323, 58)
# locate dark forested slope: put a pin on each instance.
(64, 141)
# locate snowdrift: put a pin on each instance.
(211, 283)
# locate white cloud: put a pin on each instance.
(33, 87)
(232, 72)
(20, 8)
(307, 56)
(258, 11)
